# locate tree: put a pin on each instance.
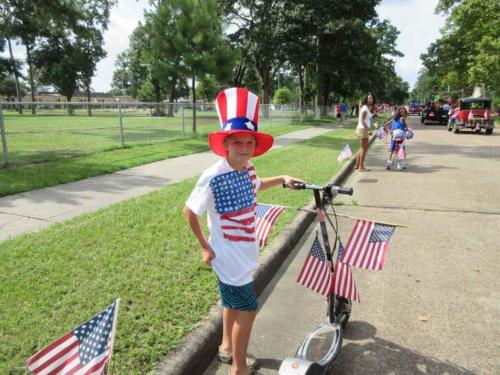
(260, 35)
(467, 54)
(30, 20)
(196, 46)
(283, 96)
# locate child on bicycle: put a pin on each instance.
(398, 129)
(227, 192)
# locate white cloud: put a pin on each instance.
(124, 18)
(418, 25)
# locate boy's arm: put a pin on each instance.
(266, 183)
(194, 223)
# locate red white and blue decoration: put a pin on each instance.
(238, 111)
(84, 350)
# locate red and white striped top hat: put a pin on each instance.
(238, 111)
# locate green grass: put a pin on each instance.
(16, 179)
(139, 250)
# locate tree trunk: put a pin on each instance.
(87, 90)
(156, 87)
(319, 93)
(239, 75)
(194, 102)
(30, 73)
(266, 88)
(171, 100)
(16, 75)
(302, 74)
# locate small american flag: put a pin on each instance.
(84, 350)
(367, 245)
(266, 216)
(346, 153)
(343, 282)
(316, 273)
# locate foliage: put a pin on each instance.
(283, 96)
(468, 52)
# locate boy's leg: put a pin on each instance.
(242, 329)
(228, 318)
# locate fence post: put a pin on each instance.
(122, 137)
(6, 160)
(284, 115)
(270, 116)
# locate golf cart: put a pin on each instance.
(472, 113)
(435, 112)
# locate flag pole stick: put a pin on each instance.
(343, 215)
(115, 318)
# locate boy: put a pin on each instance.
(227, 191)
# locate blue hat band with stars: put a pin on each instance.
(239, 123)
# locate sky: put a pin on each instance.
(415, 19)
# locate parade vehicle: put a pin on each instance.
(415, 109)
(434, 113)
(472, 113)
(317, 352)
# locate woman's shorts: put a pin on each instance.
(241, 297)
(363, 133)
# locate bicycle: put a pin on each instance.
(308, 359)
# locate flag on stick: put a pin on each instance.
(346, 153)
(315, 273)
(84, 350)
(266, 216)
(343, 282)
(367, 245)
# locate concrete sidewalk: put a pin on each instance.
(428, 311)
(33, 210)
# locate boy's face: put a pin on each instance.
(239, 147)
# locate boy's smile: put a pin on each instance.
(240, 148)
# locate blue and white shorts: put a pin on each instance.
(241, 297)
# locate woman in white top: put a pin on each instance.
(363, 130)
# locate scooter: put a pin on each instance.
(317, 352)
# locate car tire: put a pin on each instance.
(489, 131)
(422, 120)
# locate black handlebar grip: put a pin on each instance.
(296, 185)
(345, 190)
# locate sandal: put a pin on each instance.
(226, 357)
(363, 169)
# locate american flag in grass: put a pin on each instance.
(84, 350)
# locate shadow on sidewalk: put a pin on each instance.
(374, 355)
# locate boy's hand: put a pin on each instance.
(289, 180)
(208, 255)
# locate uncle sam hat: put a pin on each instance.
(238, 111)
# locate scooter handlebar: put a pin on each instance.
(329, 189)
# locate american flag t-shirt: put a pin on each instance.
(84, 350)
(316, 273)
(367, 245)
(234, 199)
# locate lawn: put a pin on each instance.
(139, 250)
(59, 167)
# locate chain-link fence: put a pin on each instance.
(39, 132)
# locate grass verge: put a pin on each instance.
(28, 177)
(139, 250)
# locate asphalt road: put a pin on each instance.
(435, 306)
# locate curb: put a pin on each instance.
(198, 348)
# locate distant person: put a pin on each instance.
(343, 111)
(227, 192)
(363, 130)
